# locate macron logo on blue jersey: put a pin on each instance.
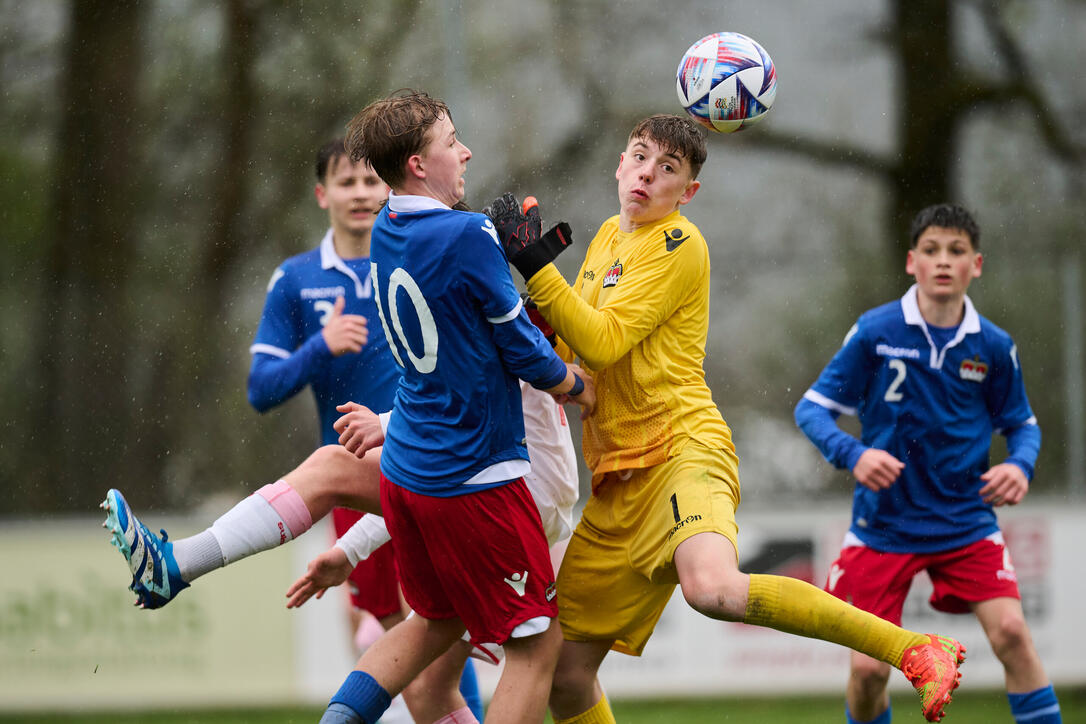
(488, 227)
(885, 350)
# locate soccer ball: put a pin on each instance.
(726, 82)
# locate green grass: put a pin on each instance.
(968, 708)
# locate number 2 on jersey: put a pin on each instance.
(892, 394)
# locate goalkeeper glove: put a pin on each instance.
(519, 231)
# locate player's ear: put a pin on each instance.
(321, 193)
(414, 166)
(910, 263)
(621, 158)
(978, 262)
(688, 194)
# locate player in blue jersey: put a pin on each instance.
(470, 547)
(931, 380)
(314, 331)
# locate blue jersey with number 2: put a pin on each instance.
(932, 399)
(455, 324)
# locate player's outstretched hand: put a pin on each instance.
(329, 569)
(519, 229)
(359, 429)
(1004, 484)
(877, 469)
(344, 333)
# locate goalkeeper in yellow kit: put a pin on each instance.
(665, 482)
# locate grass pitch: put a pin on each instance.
(969, 707)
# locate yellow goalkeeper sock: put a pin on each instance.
(796, 607)
(598, 714)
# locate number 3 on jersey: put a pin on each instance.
(892, 393)
(387, 309)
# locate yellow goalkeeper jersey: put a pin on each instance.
(638, 317)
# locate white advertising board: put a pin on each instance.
(70, 638)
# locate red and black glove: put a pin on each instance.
(537, 319)
(519, 231)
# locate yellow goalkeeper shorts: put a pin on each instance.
(618, 572)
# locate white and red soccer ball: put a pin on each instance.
(726, 82)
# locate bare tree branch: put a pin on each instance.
(1021, 85)
(820, 151)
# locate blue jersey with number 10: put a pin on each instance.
(455, 324)
(933, 403)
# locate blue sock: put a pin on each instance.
(883, 718)
(359, 695)
(1036, 707)
(469, 689)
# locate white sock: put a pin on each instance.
(273, 515)
(249, 527)
(197, 555)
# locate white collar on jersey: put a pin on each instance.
(331, 260)
(970, 324)
(406, 203)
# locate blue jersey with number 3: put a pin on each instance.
(289, 351)
(932, 402)
(455, 324)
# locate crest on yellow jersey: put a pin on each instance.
(611, 278)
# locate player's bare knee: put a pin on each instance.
(328, 472)
(716, 595)
(1010, 636)
(570, 687)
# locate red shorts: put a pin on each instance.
(879, 582)
(373, 583)
(480, 557)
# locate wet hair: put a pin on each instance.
(327, 156)
(948, 216)
(389, 131)
(675, 134)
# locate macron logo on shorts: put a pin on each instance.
(835, 575)
(517, 581)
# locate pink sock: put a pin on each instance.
(460, 716)
(289, 505)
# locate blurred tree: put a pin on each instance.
(940, 90)
(172, 144)
(83, 421)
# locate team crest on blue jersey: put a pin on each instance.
(973, 369)
(611, 278)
